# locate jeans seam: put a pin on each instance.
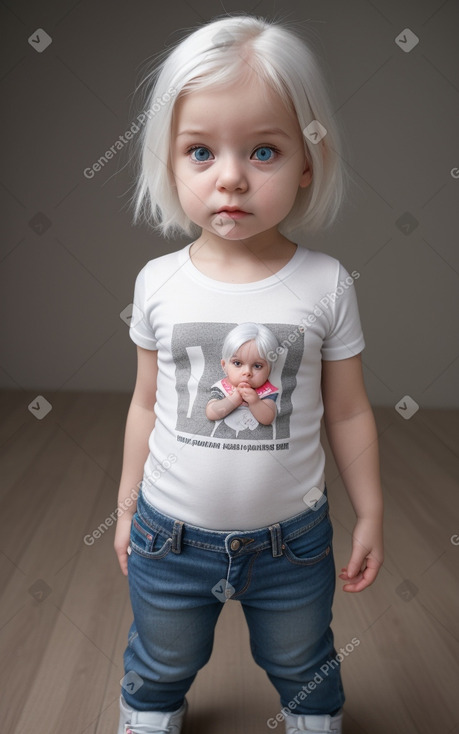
(300, 531)
(153, 555)
(306, 561)
(263, 545)
(249, 576)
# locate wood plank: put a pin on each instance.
(65, 609)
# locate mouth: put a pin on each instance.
(232, 212)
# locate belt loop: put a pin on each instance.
(177, 537)
(276, 539)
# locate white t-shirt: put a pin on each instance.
(223, 475)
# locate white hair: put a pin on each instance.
(265, 341)
(214, 56)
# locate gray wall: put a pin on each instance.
(65, 279)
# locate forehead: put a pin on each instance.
(246, 106)
(248, 350)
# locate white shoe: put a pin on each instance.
(314, 724)
(150, 722)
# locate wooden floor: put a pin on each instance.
(65, 610)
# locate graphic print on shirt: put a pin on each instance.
(199, 377)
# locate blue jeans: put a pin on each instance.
(180, 576)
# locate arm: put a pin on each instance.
(139, 424)
(353, 438)
(217, 409)
(263, 410)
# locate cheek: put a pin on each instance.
(189, 198)
(278, 194)
(290, 177)
(186, 183)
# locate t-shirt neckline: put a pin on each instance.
(220, 285)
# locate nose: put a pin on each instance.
(231, 174)
(246, 370)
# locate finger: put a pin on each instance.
(351, 580)
(357, 561)
(123, 561)
(360, 558)
(362, 581)
(355, 585)
(369, 566)
(365, 552)
(353, 572)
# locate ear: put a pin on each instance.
(223, 365)
(306, 176)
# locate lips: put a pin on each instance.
(232, 213)
(231, 210)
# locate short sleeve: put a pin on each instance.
(141, 330)
(345, 337)
(216, 393)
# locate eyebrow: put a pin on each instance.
(256, 361)
(263, 131)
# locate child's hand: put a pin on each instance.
(367, 556)
(247, 393)
(122, 539)
(235, 398)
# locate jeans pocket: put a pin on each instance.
(312, 545)
(146, 542)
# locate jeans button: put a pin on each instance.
(235, 544)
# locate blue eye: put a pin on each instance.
(264, 153)
(200, 154)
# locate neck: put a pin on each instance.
(264, 246)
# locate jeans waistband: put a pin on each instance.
(234, 542)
